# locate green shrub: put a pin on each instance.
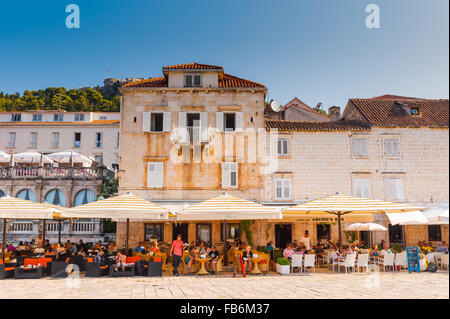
(396, 248)
(283, 261)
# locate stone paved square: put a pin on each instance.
(320, 285)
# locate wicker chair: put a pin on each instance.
(7, 270)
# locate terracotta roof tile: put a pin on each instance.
(391, 112)
(315, 126)
(153, 82)
(94, 122)
(230, 81)
(192, 66)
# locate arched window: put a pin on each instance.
(56, 197)
(26, 194)
(83, 197)
(2, 193)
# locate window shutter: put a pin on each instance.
(182, 127)
(219, 121)
(361, 187)
(146, 116)
(166, 122)
(155, 174)
(287, 189)
(278, 189)
(399, 189)
(226, 181)
(204, 126)
(239, 121)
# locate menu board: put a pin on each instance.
(413, 259)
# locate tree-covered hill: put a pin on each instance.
(86, 99)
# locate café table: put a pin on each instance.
(202, 262)
(255, 270)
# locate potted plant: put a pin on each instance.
(283, 266)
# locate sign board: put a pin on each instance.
(412, 254)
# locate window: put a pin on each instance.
(282, 146)
(394, 189)
(395, 234)
(55, 140)
(229, 121)
(37, 117)
(58, 117)
(12, 140)
(232, 231)
(360, 146)
(16, 117)
(282, 188)
(56, 197)
(156, 122)
(98, 139)
(191, 80)
(392, 147)
(99, 158)
(415, 110)
(361, 187)
(84, 196)
(102, 117)
(77, 140)
(155, 174)
(229, 174)
(79, 117)
(154, 232)
(203, 233)
(27, 194)
(33, 140)
(434, 233)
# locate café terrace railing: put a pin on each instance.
(50, 172)
(29, 227)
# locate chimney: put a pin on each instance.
(334, 113)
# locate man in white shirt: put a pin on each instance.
(305, 242)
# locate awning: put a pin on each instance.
(119, 208)
(407, 218)
(365, 227)
(437, 215)
(227, 207)
(15, 208)
(32, 157)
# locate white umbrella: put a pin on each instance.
(367, 227)
(407, 218)
(437, 215)
(4, 157)
(31, 157)
(66, 157)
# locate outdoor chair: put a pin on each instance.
(444, 261)
(96, 269)
(362, 262)
(388, 261)
(7, 270)
(297, 262)
(401, 261)
(309, 261)
(219, 265)
(264, 263)
(59, 269)
(79, 261)
(152, 268)
(130, 269)
(349, 262)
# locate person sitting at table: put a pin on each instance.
(46, 244)
(191, 258)
(306, 241)
(338, 255)
(98, 245)
(203, 249)
(375, 255)
(319, 251)
(20, 247)
(269, 247)
(214, 255)
(246, 256)
(121, 261)
(443, 248)
(154, 247)
(112, 249)
(385, 250)
(39, 250)
(288, 252)
(10, 247)
(362, 244)
(295, 245)
(140, 248)
(81, 252)
(81, 245)
(426, 247)
(100, 257)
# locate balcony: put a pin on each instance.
(194, 134)
(49, 172)
(83, 226)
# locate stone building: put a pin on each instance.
(94, 134)
(295, 110)
(175, 151)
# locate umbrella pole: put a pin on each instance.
(126, 240)
(3, 239)
(339, 228)
(43, 233)
(225, 244)
(59, 231)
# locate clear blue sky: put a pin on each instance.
(315, 50)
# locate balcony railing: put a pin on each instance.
(83, 227)
(51, 226)
(21, 227)
(194, 134)
(49, 172)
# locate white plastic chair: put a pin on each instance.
(388, 261)
(297, 262)
(363, 261)
(444, 261)
(309, 261)
(401, 260)
(430, 257)
(349, 262)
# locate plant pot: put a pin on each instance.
(283, 269)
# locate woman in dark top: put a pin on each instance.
(246, 255)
